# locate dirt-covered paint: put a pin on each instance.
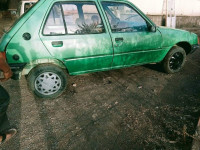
(88, 52)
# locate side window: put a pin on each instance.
(71, 16)
(54, 24)
(82, 18)
(123, 18)
(92, 18)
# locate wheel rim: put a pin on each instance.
(47, 83)
(176, 61)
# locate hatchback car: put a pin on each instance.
(56, 37)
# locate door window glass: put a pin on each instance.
(54, 24)
(71, 16)
(82, 18)
(123, 18)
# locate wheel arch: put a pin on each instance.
(29, 66)
(186, 46)
(166, 61)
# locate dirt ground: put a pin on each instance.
(134, 108)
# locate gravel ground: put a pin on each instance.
(133, 108)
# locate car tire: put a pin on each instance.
(174, 60)
(47, 81)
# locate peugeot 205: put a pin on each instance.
(56, 37)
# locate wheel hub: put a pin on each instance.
(47, 83)
(176, 61)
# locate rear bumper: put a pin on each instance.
(194, 48)
(17, 69)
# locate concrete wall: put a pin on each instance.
(155, 7)
(187, 11)
(181, 21)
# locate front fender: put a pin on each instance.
(173, 36)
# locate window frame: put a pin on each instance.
(47, 17)
(65, 25)
(126, 4)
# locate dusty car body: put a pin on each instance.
(56, 37)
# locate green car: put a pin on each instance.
(59, 37)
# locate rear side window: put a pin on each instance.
(92, 16)
(82, 18)
(79, 18)
(55, 24)
(71, 16)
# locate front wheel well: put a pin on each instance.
(186, 46)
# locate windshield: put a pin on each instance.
(20, 17)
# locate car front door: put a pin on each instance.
(133, 41)
(74, 32)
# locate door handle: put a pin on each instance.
(57, 43)
(119, 39)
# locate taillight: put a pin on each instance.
(4, 54)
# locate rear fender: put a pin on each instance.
(35, 63)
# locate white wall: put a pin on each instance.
(155, 7)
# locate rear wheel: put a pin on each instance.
(174, 60)
(47, 81)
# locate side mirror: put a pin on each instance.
(153, 29)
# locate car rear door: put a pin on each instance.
(133, 42)
(74, 32)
